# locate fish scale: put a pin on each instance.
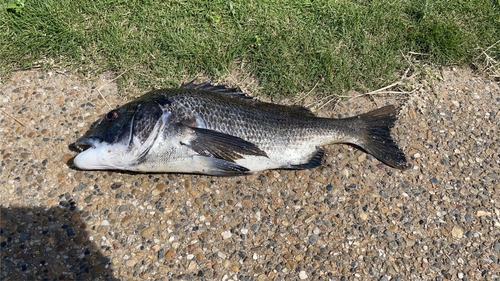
(250, 123)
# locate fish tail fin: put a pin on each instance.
(376, 137)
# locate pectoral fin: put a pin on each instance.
(214, 144)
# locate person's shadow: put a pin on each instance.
(49, 244)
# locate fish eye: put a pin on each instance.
(112, 115)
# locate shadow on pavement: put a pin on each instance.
(49, 244)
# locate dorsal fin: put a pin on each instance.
(305, 110)
(207, 86)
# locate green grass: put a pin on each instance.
(288, 46)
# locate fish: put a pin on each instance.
(215, 130)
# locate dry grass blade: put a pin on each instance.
(14, 118)
(318, 102)
(99, 89)
(238, 75)
(102, 96)
(487, 49)
(114, 79)
(418, 54)
(301, 97)
(328, 102)
(383, 90)
(492, 67)
(61, 73)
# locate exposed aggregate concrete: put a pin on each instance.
(350, 219)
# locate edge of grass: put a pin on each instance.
(288, 46)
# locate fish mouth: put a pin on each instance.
(84, 143)
(92, 154)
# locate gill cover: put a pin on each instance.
(121, 138)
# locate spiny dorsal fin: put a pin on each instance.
(207, 86)
(304, 110)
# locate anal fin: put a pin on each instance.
(315, 161)
(219, 167)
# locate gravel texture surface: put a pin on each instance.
(350, 219)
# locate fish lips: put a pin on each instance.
(85, 143)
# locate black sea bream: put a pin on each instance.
(215, 130)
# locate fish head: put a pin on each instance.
(120, 138)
